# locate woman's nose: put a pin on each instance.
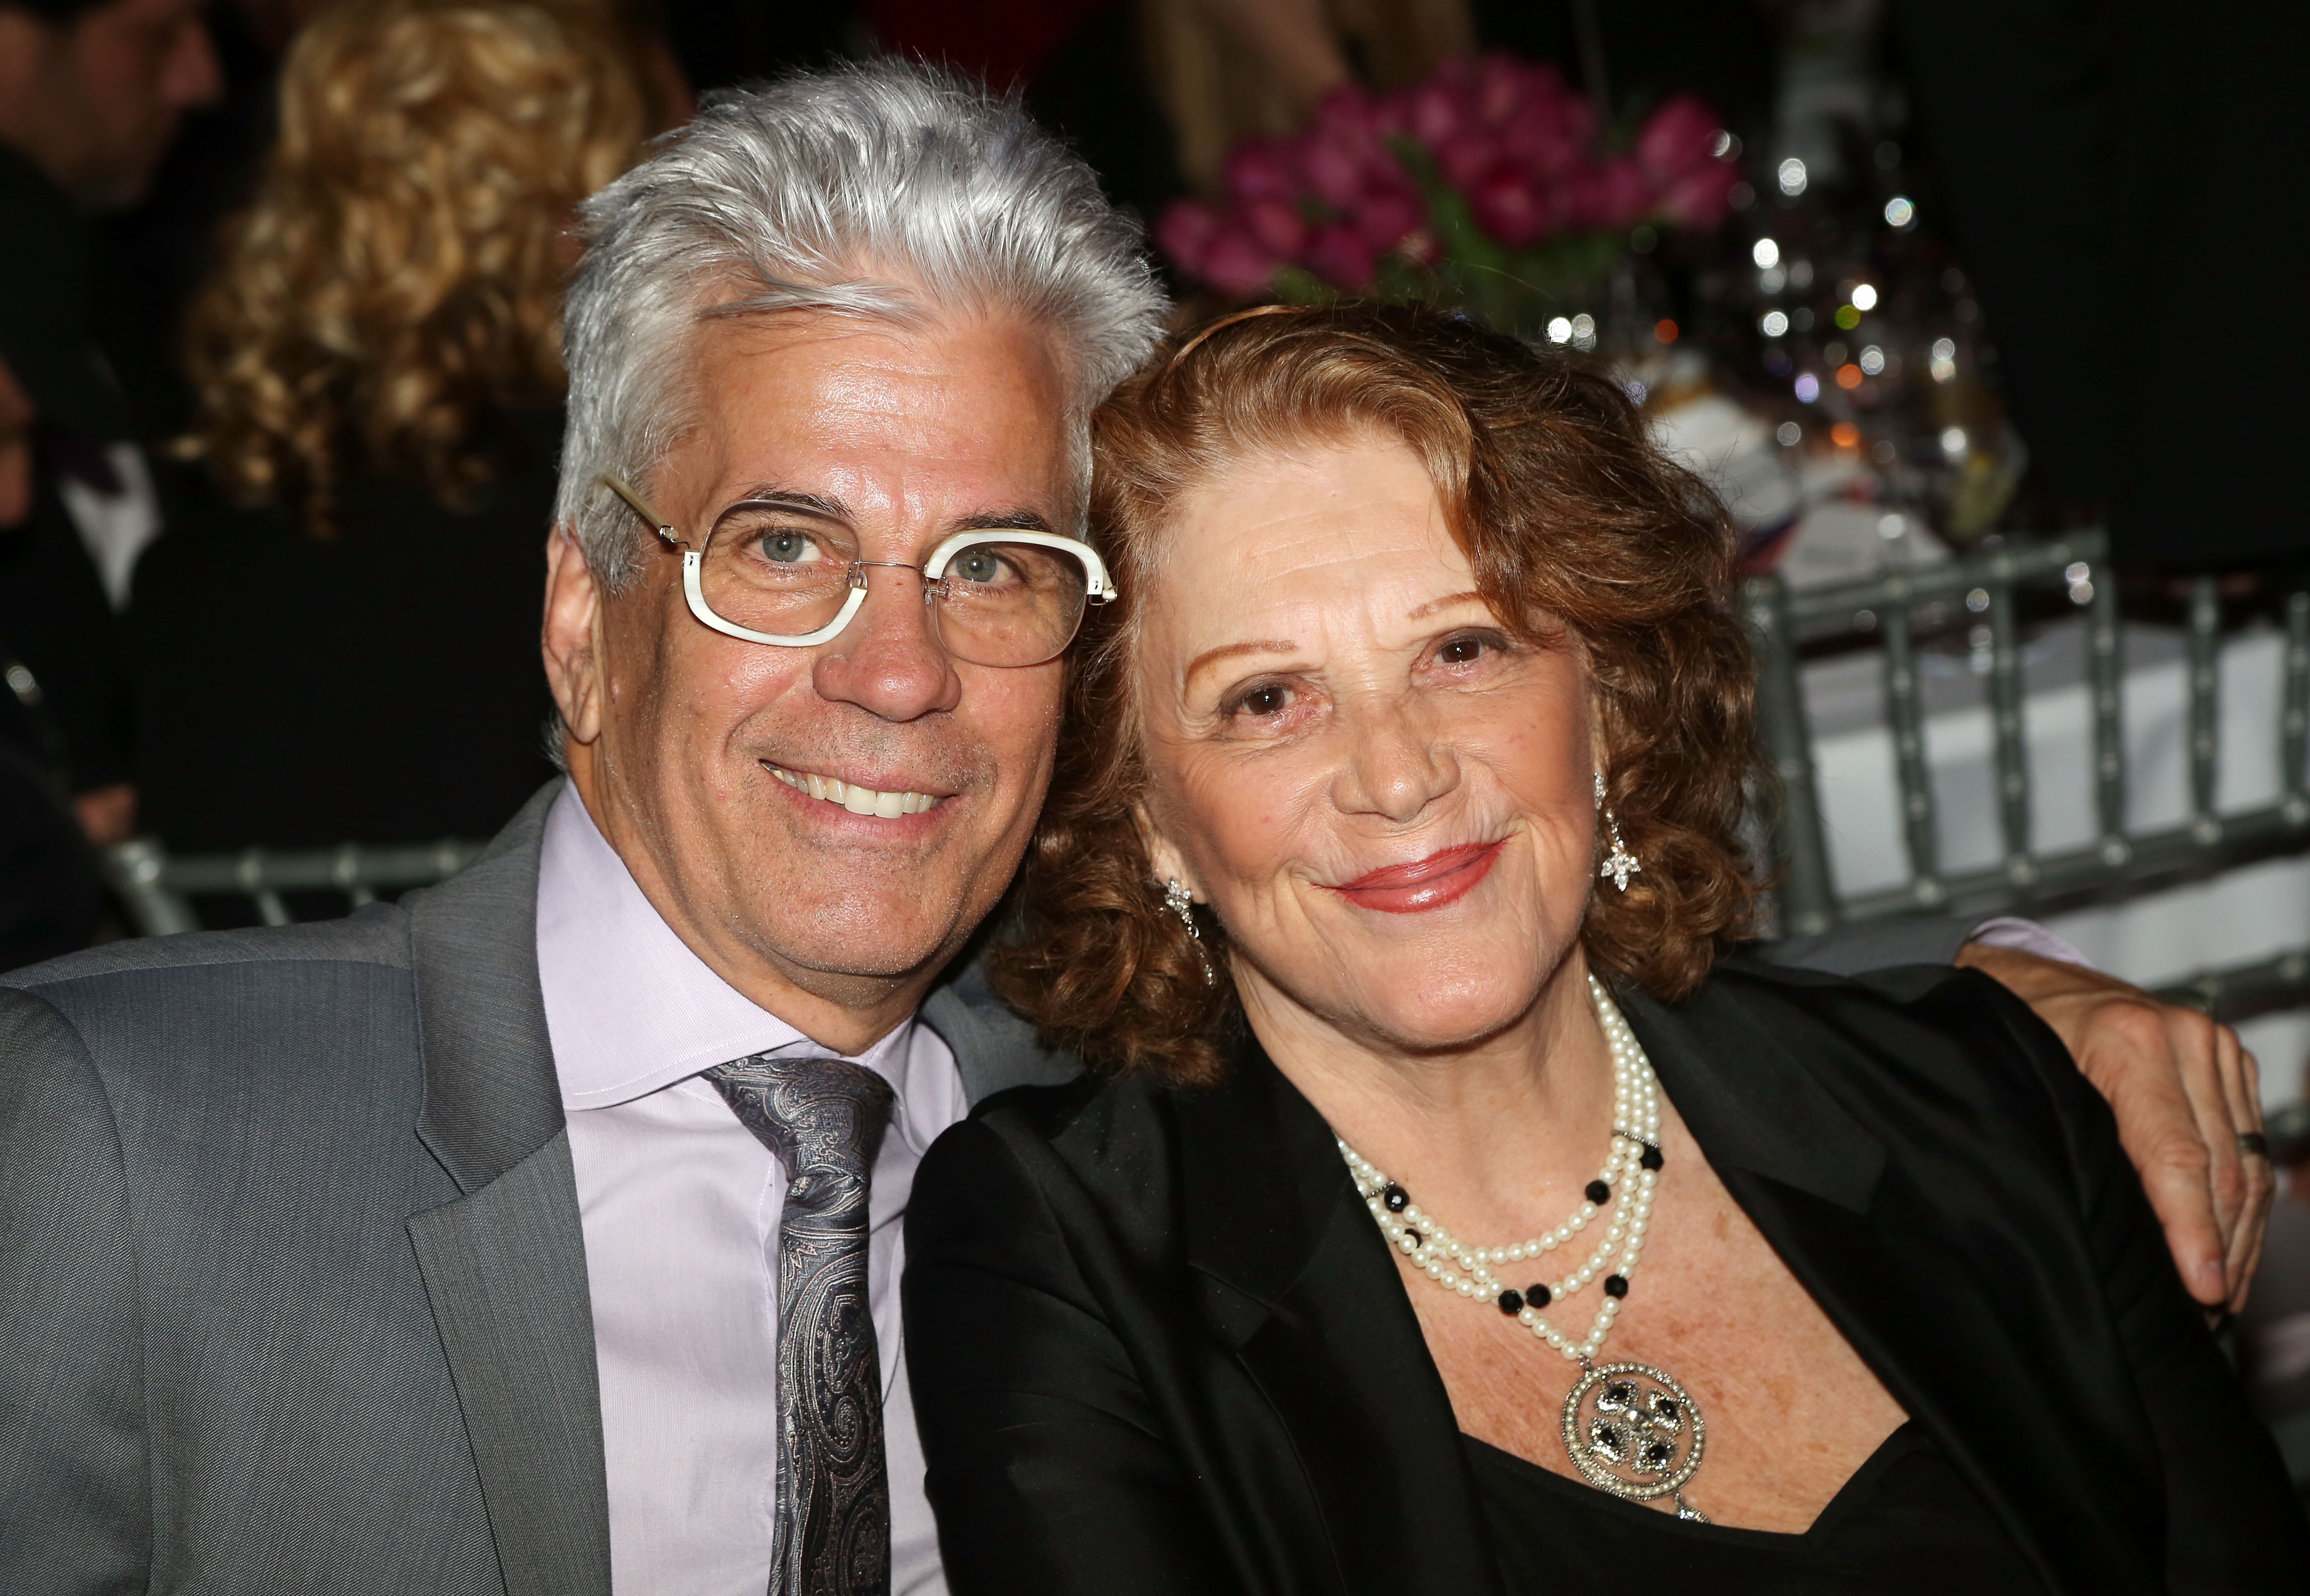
(888, 661)
(1395, 762)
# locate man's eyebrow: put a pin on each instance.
(1229, 650)
(1445, 603)
(790, 498)
(1020, 520)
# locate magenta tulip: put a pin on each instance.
(1277, 224)
(1432, 113)
(1542, 143)
(1341, 258)
(1623, 194)
(1263, 169)
(1384, 218)
(1465, 157)
(1508, 204)
(1234, 264)
(1702, 198)
(1334, 171)
(1184, 233)
(1677, 137)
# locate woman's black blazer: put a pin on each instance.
(1157, 1346)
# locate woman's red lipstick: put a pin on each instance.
(1446, 876)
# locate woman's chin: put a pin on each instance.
(1405, 1019)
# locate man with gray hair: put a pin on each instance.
(541, 1234)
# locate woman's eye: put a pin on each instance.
(1268, 699)
(1465, 650)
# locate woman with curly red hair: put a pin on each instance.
(1451, 1212)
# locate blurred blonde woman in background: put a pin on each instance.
(342, 646)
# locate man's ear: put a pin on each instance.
(572, 639)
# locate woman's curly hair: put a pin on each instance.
(398, 276)
(1575, 523)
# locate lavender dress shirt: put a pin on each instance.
(680, 1205)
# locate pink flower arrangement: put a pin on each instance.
(1487, 160)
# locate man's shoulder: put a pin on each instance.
(377, 935)
(204, 1010)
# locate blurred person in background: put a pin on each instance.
(91, 95)
(50, 894)
(342, 645)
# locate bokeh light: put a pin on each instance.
(1789, 433)
(1808, 387)
(1845, 435)
(1865, 297)
(1765, 252)
(1901, 212)
(1848, 375)
(1792, 175)
(1774, 322)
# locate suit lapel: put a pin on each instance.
(1294, 1276)
(1890, 1268)
(505, 1264)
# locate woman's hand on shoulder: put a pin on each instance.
(2186, 1093)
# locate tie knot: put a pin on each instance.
(822, 1117)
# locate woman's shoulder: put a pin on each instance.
(1936, 1063)
(1908, 1012)
(1092, 1162)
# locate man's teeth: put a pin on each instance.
(858, 800)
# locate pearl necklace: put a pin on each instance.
(1631, 1428)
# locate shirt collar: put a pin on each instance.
(629, 1007)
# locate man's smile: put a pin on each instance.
(854, 797)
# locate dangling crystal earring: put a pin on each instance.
(1620, 865)
(1180, 902)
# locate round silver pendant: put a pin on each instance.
(1633, 1431)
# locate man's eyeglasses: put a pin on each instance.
(997, 596)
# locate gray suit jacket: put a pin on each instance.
(292, 1285)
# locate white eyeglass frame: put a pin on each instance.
(1097, 588)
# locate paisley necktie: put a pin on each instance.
(823, 1118)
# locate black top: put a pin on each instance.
(1157, 1344)
(383, 686)
(1905, 1524)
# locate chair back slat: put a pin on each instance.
(1986, 589)
(1904, 704)
(157, 888)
